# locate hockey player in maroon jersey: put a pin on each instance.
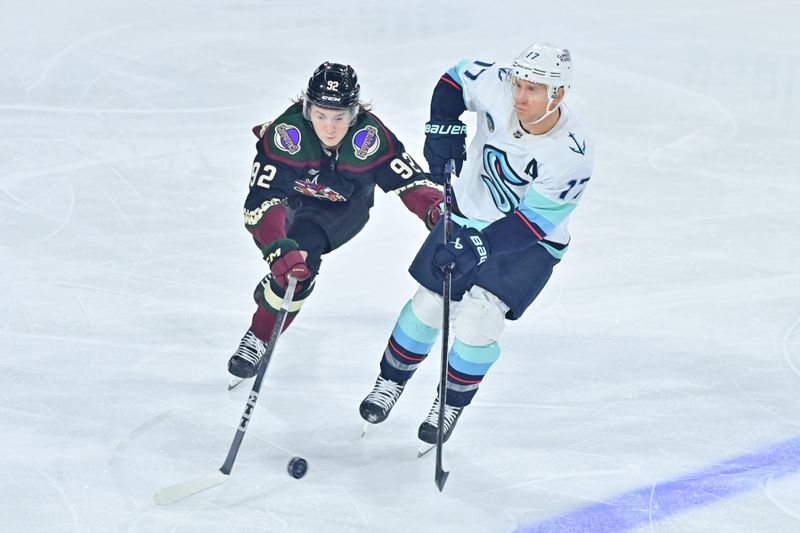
(311, 189)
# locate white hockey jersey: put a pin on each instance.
(507, 169)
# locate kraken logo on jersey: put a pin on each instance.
(499, 177)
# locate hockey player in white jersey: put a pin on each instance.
(526, 170)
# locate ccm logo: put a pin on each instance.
(446, 129)
(274, 255)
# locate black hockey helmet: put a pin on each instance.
(333, 85)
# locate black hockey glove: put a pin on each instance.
(467, 250)
(445, 140)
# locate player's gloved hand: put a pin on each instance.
(435, 212)
(468, 249)
(444, 140)
(286, 259)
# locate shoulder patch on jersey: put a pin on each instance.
(580, 147)
(366, 142)
(287, 138)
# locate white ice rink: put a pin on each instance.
(653, 386)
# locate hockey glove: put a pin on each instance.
(444, 140)
(286, 259)
(463, 254)
(433, 215)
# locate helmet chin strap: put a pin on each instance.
(544, 116)
(550, 99)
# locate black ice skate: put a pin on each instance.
(379, 402)
(244, 362)
(429, 428)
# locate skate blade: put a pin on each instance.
(424, 448)
(234, 382)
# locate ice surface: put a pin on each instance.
(667, 342)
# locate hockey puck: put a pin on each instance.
(297, 467)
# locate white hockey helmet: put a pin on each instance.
(546, 64)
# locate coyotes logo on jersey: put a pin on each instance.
(311, 188)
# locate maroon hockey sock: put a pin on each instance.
(264, 320)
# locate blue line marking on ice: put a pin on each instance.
(655, 503)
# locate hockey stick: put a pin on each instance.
(179, 491)
(441, 474)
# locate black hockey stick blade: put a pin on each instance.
(441, 479)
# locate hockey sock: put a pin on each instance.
(467, 366)
(264, 320)
(408, 346)
(269, 300)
